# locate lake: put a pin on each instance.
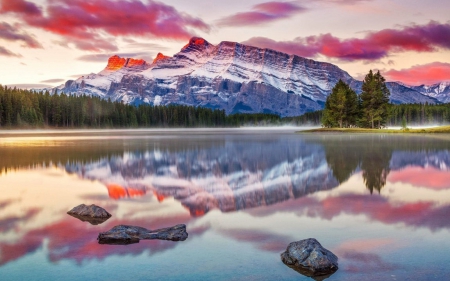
(381, 203)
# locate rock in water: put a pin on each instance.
(125, 234)
(92, 214)
(309, 258)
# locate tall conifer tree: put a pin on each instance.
(341, 107)
(374, 101)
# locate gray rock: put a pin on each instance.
(93, 214)
(125, 234)
(309, 258)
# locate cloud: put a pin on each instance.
(93, 25)
(150, 46)
(373, 46)
(265, 241)
(64, 245)
(29, 86)
(359, 262)
(11, 33)
(7, 53)
(424, 214)
(346, 2)
(20, 6)
(263, 13)
(427, 74)
(428, 177)
(10, 223)
(4, 204)
(78, 75)
(291, 47)
(53, 81)
(96, 45)
(366, 244)
(104, 57)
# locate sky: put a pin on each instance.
(46, 42)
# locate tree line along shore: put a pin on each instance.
(29, 109)
(343, 109)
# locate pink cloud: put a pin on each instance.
(360, 262)
(290, 47)
(266, 241)
(262, 13)
(430, 177)
(427, 74)
(81, 22)
(20, 6)
(11, 33)
(375, 45)
(7, 53)
(368, 244)
(71, 239)
(376, 208)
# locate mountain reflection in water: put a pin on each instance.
(229, 176)
(240, 175)
(261, 190)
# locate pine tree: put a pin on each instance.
(374, 101)
(1, 108)
(341, 107)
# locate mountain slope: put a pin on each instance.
(229, 76)
(439, 91)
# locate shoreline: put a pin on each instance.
(434, 130)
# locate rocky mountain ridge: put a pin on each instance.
(439, 91)
(231, 76)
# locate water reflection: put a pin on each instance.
(347, 154)
(286, 187)
(230, 176)
(71, 239)
(376, 155)
(235, 176)
(93, 221)
(239, 172)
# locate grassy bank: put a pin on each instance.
(435, 130)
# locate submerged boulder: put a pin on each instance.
(125, 234)
(309, 258)
(93, 214)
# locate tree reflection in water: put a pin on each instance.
(373, 154)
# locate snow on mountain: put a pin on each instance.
(229, 76)
(439, 91)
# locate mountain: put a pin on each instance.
(230, 76)
(439, 91)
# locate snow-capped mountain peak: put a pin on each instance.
(230, 76)
(439, 91)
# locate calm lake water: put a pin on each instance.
(381, 203)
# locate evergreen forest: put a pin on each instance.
(28, 109)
